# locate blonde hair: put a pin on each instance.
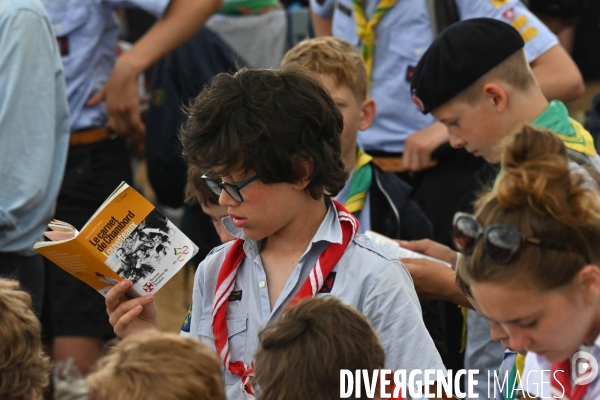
(514, 70)
(539, 194)
(301, 354)
(23, 366)
(156, 365)
(332, 56)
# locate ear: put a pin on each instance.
(496, 95)
(304, 167)
(367, 114)
(587, 281)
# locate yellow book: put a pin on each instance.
(126, 238)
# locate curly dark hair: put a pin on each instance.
(275, 123)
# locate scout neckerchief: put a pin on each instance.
(514, 378)
(360, 183)
(556, 118)
(365, 29)
(560, 383)
(226, 280)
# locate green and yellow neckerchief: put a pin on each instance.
(365, 30)
(576, 137)
(361, 181)
(514, 378)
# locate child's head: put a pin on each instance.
(301, 354)
(535, 262)
(155, 366)
(23, 366)
(470, 79)
(196, 191)
(121, 254)
(283, 128)
(342, 71)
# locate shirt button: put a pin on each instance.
(261, 284)
(361, 239)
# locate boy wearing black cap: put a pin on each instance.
(475, 79)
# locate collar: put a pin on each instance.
(329, 231)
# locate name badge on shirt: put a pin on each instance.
(63, 45)
(235, 296)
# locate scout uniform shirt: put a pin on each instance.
(401, 37)
(367, 277)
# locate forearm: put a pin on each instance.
(321, 26)
(182, 19)
(557, 75)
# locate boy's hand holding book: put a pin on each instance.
(129, 315)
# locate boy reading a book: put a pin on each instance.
(157, 366)
(270, 143)
(316, 339)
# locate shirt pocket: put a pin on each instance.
(237, 326)
(73, 17)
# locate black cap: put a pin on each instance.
(463, 53)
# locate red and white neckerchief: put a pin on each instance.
(560, 383)
(226, 280)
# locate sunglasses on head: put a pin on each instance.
(501, 242)
(217, 187)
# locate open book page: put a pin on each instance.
(395, 248)
(127, 238)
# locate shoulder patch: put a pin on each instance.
(185, 327)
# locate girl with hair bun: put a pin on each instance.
(533, 261)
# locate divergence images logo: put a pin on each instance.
(584, 368)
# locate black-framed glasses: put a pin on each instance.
(232, 190)
(501, 243)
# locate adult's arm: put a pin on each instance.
(558, 76)
(181, 20)
(321, 26)
(321, 12)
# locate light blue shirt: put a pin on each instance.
(367, 277)
(90, 29)
(402, 36)
(364, 215)
(34, 124)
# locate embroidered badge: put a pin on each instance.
(185, 327)
(509, 14)
(328, 284)
(63, 45)
(417, 102)
(409, 72)
(235, 296)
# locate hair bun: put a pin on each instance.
(536, 173)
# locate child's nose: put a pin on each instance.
(456, 142)
(519, 342)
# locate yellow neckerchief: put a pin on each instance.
(365, 30)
